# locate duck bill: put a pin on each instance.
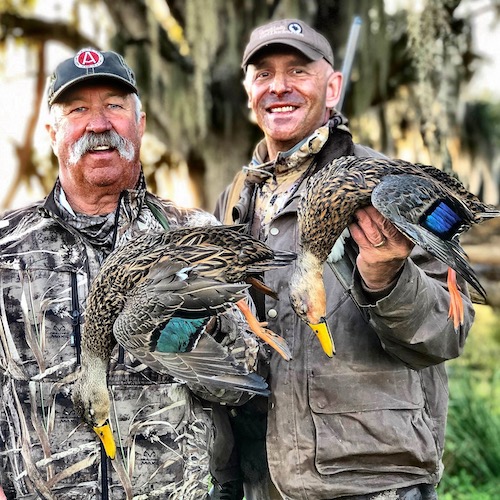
(324, 336)
(106, 436)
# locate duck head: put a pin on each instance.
(308, 298)
(91, 401)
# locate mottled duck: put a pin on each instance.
(429, 206)
(155, 296)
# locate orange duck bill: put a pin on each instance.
(324, 336)
(106, 436)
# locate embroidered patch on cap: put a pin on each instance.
(295, 28)
(88, 58)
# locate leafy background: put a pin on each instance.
(419, 89)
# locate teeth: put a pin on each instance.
(283, 109)
(101, 148)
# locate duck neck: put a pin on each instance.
(308, 269)
(307, 283)
(98, 342)
(95, 365)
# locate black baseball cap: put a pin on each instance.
(291, 32)
(89, 64)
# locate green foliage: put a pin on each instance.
(473, 435)
(489, 116)
(472, 451)
(482, 351)
(463, 487)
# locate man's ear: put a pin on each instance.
(52, 135)
(142, 123)
(247, 83)
(334, 86)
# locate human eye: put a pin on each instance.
(77, 109)
(115, 105)
(260, 75)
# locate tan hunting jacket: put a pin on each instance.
(371, 418)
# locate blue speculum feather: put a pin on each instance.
(179, 335)
(441, 220)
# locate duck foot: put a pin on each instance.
(268, 336)
(456, 310)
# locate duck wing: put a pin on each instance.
(242, 250)
(208, 364)
(431, 216)
(149, 328)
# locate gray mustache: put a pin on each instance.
(110, 138)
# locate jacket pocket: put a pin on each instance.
(372, 421)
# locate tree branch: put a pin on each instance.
(38, 30)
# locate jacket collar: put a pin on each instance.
(338, 142)
(101, 231)
(132, 199)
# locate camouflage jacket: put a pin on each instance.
(46, 267)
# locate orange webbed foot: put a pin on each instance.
(268, 336)
(456, 310)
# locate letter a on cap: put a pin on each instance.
(88, 58)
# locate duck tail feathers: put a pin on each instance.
(281, 258)
(490, 214)
(251, 383)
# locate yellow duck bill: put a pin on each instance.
(324, 336)
(106, 436)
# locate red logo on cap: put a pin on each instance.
(88, 58)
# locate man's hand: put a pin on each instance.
(2, 494)
(382, 248)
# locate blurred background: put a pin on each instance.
(424, 87)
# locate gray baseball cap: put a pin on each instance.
(291, 32)
(89, 64)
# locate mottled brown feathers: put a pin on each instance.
(333, 194)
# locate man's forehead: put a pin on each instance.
(274, 52)
(85, 89)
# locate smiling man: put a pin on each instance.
(368, 423)
(284, 116)
(96, 129)
(50, 252)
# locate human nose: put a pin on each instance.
(279, 84)
(98, 121)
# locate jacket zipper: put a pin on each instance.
(76, 334)
(76, 341)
